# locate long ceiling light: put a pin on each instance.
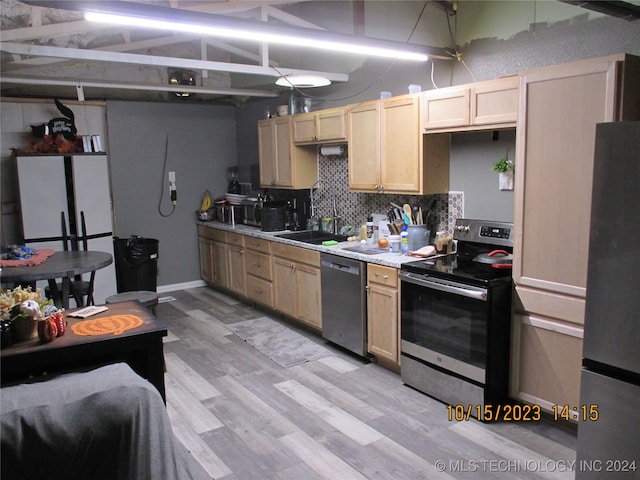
(260, 35)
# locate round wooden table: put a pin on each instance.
(64, 265)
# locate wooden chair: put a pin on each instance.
(78, 288)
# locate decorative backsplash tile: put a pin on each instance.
(354, 207)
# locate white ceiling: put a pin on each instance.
(52, 52)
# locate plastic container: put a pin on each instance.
(394, 244)
(404, 240)
(136, 262)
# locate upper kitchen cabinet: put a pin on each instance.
(325, 126)
(283, 165)
(560, 107)
(387, 153)
(478, 106)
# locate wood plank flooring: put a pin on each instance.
(243, 416)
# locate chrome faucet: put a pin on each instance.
(313, 206)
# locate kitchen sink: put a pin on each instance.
(315, 237)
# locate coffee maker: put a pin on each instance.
(232, 178)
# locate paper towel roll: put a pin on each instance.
(331, 150)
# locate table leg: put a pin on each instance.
(55, 293)
(65, 292)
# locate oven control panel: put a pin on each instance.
(495, 232)
(484, 231)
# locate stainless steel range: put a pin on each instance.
(456, 317)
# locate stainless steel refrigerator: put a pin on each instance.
(609, 431)
(52, 186)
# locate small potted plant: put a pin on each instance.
(504, 168)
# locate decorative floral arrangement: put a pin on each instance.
(23, 312)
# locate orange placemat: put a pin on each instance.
(36, 259)
(115, 324)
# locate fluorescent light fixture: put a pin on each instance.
(302, 81)
(266, 33)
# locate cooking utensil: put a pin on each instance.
(495, 259)
(407, 214)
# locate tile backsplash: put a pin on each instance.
(355, 207)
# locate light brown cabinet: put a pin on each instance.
(259, 271)
(213, 256)
(481, 105)
(282, 164)
(383, 326)
(324, 126)
(236, 263)
(387, 153)
(296, 283)
(554, 163)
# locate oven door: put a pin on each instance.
(445, 324)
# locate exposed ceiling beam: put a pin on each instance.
(137, 59)
(51, 81)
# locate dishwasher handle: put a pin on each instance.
(341, 267)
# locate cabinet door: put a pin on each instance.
(304, 128)
(308, 295)
(284, 286)
(546, 361)
(283, 153)
(331, 125)
(382, 322)
(401, 163)
(206, 259)
(554, 169)
(220, 264)
(495, 102)
(266, 152)
(364, 147)
(445, 108)
(237, 270)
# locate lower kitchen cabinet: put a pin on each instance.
(383, 326)
(259, 271)
(546, 361)
(236, 261)
(213, 256)
(296, 283)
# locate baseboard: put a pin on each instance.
(180, 286)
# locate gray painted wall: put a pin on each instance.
(201, 146)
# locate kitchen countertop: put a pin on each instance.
(387, 259)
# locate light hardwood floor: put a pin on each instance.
(243, 416)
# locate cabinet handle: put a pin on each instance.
(386, 277)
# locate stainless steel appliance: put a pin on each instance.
(608, 423)
(456, 317)
(344, 306)
(251, 211)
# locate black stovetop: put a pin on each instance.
(460, 267)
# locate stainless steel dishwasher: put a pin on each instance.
(344, 305)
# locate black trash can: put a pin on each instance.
(136, 261)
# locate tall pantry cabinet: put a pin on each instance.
(559, 109)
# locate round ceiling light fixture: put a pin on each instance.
(302, 81)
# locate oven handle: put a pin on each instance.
(444, 286)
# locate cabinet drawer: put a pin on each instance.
(260, 290)
(235, 239)
(258, 264)
(212, 234)
(382, 275)
(296, 254)
(258, 244)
